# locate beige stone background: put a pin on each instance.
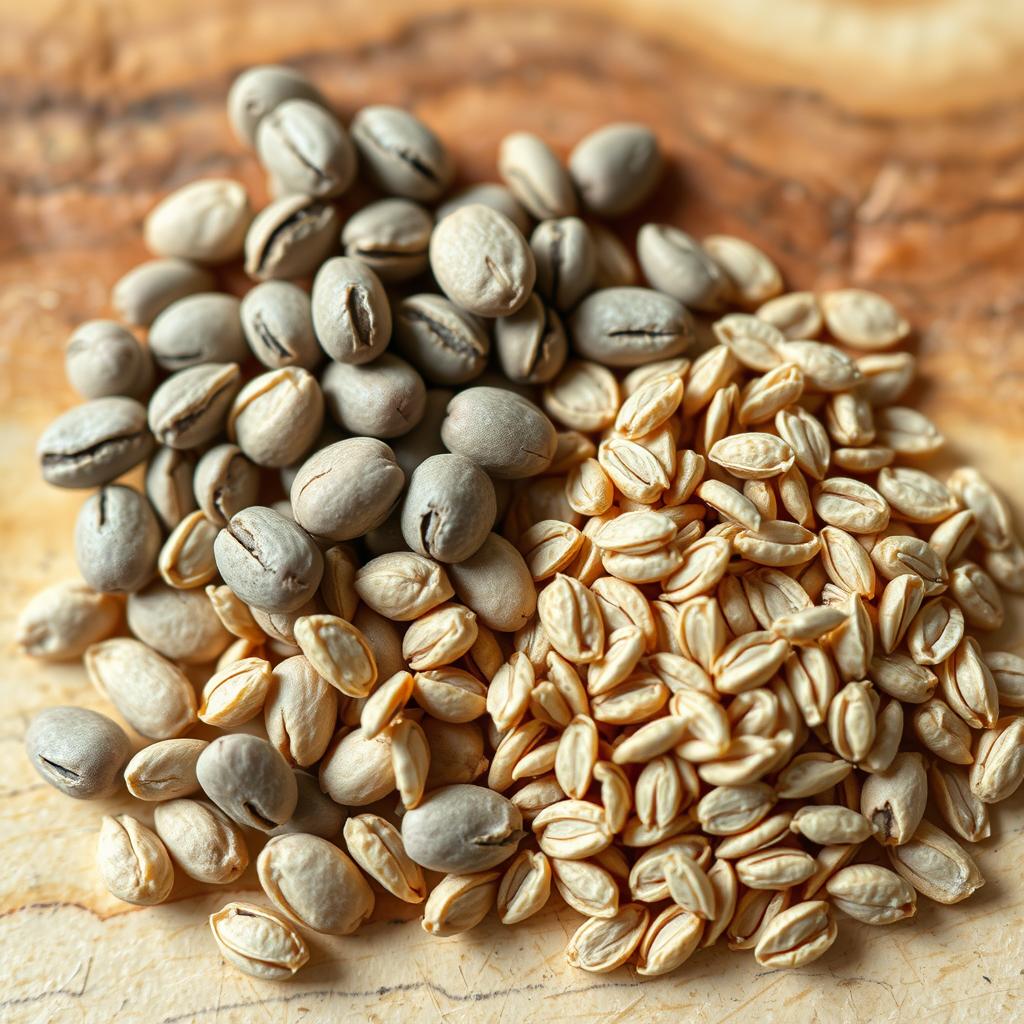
(877, 142)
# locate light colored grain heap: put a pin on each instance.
(691, 639)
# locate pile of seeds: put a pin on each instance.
(635, 593)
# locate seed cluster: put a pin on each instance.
(645, 599)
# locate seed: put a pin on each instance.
(893, 801)
(459, 903)
(338, 651)
(385, 703)
(851, 721)
(872, 894)
(916, 495)
(951, 793)
(730, 503)
(410, 760)
(936, 865)
(907, 432)
(863, 319)
(235, 695)
(525, 887)
(897, 609)
(943, 732)
(549, 546)
(796, 314)
(461, 829)
(203, 841)
(133, 863)
(402, 585)
(991, 513)
(898, 555)
(258, 941)
(616, 795)
(761, 836)
(586, 887)
(576, 757)
(440, 637)
(774, 869)
(600, 945)
(164, 770)
(151, 693)
(824, 367)
(572, 830)
(851, 505)
(831, 825)
(356, 770)
(314, 883)
(998, 768)
(749, 661)
(968, 686)
(1008, 675)
(689, 886)
(777, 543)
(900, 677)
(63, 620)
(751, 277)
(376, 846)
(809, 774)
(797, 936)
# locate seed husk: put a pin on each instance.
(258, 942)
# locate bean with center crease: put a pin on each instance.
(531, 343)
(630, 326)
(449, 508)
(351, 313)
(446, 344)
(103, 358)
(267, 560)
(277, 320)
(78, 751)
(94, 443)
(401, 155)
(462, 828)
(117, 540)
(248, 780)
(305, 148)
(191, 406)
(290, 238)
(391, 237)
(204, 328)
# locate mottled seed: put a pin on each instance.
(400, 153)
(78, 751)
(615, 167)
(204, 221)
(267, 560)
(95, 442)
(306, 149)
(566, 261)
(277, 321)
(258, 941)
(148, 289)
(630, 326)
(482, 262)
(290, 238)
